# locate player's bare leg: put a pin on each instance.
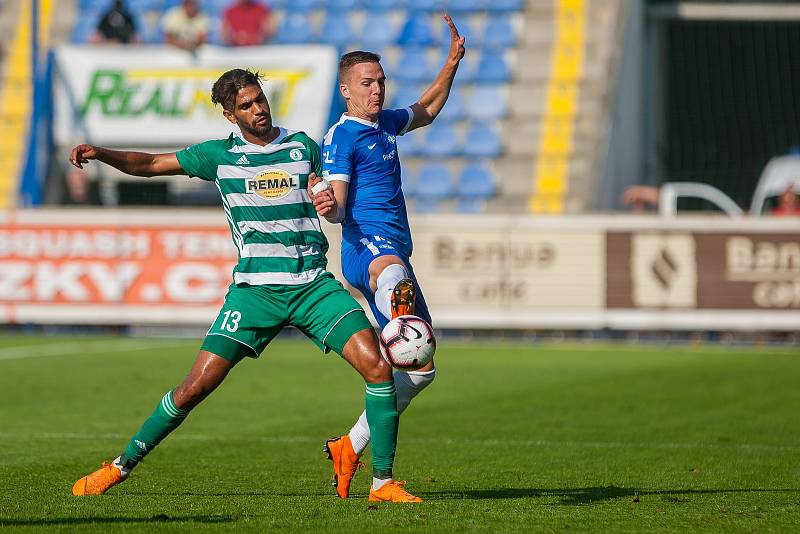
(208, 372)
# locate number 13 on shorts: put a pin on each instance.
(230, 320)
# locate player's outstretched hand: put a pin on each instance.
(82, 154)
(324, 201)
(457, 49)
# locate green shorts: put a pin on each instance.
(252, 315)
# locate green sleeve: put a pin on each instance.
(198, 160)
(315, 153)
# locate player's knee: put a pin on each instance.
(379, 371)
(192, 392)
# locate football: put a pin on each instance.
(407, 342)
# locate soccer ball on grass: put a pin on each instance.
(407, 342)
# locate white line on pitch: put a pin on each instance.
(457, 442)
(90, 347)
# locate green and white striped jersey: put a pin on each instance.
(273, 222)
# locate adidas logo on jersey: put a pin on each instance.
(243, 160)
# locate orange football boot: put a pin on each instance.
(98, 482)
(392, 491)
(345, 463)
(403, 297)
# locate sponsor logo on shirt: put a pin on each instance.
(272, 184)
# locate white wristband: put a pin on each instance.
(321, 186)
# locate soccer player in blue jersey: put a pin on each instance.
(361, 162)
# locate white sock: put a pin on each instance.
(118, 464)
(386, 282)
(408, 384)
(378, 483)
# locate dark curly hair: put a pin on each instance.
(225, 88)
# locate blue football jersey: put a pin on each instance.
(365, 154)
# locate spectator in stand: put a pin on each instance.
(185, 26)
(117, 25)
(788, 203)
(246, 23)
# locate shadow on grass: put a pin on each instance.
(160, 518)
(575, 496)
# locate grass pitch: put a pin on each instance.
(509, 438)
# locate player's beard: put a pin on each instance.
(256, 130)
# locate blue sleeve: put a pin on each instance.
(337, 155)
(396, 121)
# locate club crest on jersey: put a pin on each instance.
(272, 184)
(296, 154)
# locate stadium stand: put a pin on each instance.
(501, 110)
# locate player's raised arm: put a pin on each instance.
(134, 163)
(432, 100)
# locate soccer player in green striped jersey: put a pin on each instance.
(265, 176)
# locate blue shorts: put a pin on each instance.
(355, 267)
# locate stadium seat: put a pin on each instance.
(141, 6)
(295, 28)
(442, 141)
(341, 5)
(418, 31)
(482, 141)
(413, 66)
(378, 30)
(498, 34)
(383, 5)
(433, 185)
(476, 184)
(409, 144)
(423, 5)
(487, 102)
(403, 96)
(491, 68)
(303, 5)
(472, 39)
(94, 5)
(336, 29)
(503, 5)
(453, 110)
(214, 8)
(462, 6)
(476, 181)
(83, 30)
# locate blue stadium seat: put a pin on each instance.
(383, 5)
(423, 5)
(433, 185)
(94, 5)
(404, 96)
(413, 66)
(498, 34)
(482, 141)
(442, 141)
(466, 29)
(214, 8)
(462, 6)
(476, 181)
(418, 31)
(476, 184)
(487, 102)
(410, 143)
(83, 29)
(341, 5)
(453, 110)
(141, 6)
(336, 29)
(295, 28)
(378, 30)
(503, 5)
(491, 68)
(303, 5)
(408, 186)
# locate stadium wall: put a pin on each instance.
(138, 267)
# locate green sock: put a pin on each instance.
(382, 417)
(165, 418)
